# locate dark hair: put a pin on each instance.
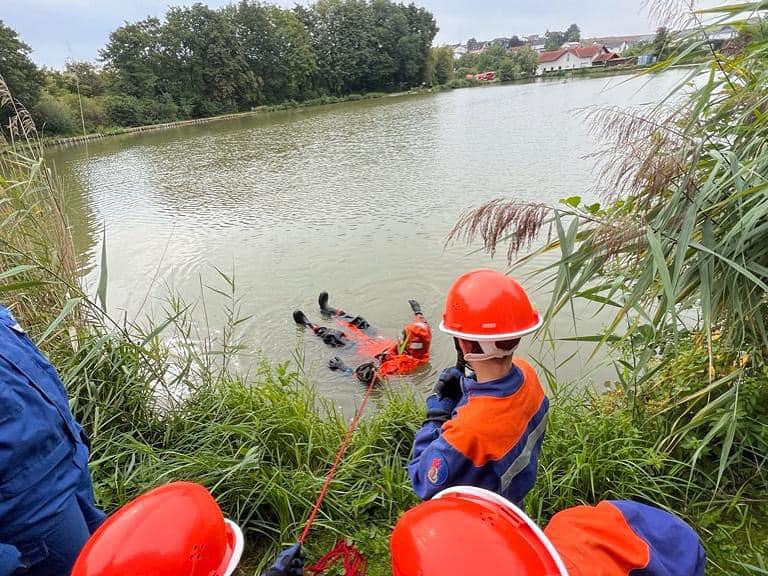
(474, 347)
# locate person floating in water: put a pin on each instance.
(390, 357)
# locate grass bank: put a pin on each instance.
(263, 446)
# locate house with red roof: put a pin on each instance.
(568, 58)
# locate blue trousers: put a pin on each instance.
(55, 552)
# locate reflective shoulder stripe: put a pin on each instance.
(524, 458)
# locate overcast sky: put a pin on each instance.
(58, 30)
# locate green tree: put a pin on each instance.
(554, 40)
(362, 46)
(661, 42)
(491, 58)
(638, 49)
(84, 78)
(468, 62)
(440, 66)
(133, 53)
(423, 30)
(526, 59)
(573, 34)
(445, 62)
(509, 70)
(277, 49)
(339, 33)
(53, 116)
(21, 75)
(203, 61)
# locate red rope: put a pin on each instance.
(354, 563)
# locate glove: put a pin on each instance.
(331, 337)
(360, 322)
(366, 372)
(337, 363)
(440, 409)
(416, 307)
(290, 562)
(10, 559)
(449, 384)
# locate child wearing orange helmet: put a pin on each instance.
(485, 430)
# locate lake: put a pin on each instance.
(356, 199)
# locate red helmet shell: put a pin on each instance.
(486, 305)
(174, 530)
(466, 531)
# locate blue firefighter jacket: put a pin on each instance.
(491, 441)
(43, 456)
(625, 538)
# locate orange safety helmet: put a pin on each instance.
(416, 339)
(465, 531)
(174, 530)
(486, 306)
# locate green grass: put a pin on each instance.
(263, 447)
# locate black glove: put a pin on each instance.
(337, 363)
(331, 337)
(366, 372)
(449, 384)
(440, 409)
(360, 322)
(290, 562)
(416, 307)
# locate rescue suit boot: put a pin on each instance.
(329, 312)
(331, 337)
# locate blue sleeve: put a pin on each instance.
(429, 468)
(436, 465)
(675, 548)
(438, 411)
(10, 559)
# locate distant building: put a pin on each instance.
(717, 33)
(536, 42)
(458, 51)
(474, 46)
(573, 58)
(620, 44)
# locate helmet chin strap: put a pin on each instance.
(490, 351)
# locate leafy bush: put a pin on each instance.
(93, 113)
(54, 116)
(509, 71)
(125, 111)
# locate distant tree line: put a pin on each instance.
(555, 39)
(198, 62)
(508, 64)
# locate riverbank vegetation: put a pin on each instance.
(199, 62)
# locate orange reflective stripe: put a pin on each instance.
(487, 428)
(597, 541)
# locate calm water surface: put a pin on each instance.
(356, 199)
